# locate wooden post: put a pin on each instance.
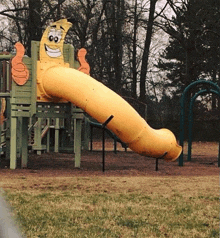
(77, 141)
(13, 143)
(48, 136)
(37, 136)
(24, 152)
(74, 134)
(56, 140)
(19, 137)
(8, 132)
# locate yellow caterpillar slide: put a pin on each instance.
(57, 80)
(100, 103)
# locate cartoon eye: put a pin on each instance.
(55, 35)
(51, 34)
(56, 39)
(50, 38)
(58, 36)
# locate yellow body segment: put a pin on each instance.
(100, 102)
(56, 81)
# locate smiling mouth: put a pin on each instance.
(52, 52)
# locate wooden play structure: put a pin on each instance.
(25, 119)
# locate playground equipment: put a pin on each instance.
(27, 119)
(112, 135)
(204, 88)
(55, 80)
(53, 70)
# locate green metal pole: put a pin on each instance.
(192, 101)
(182, 120)
(190, 127)
(86, 134)
(182, 112)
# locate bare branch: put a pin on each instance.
(8, 39)
(50, 7)
(15, 10)
(52, 10)
(5, 13)
(162, 10)
(13, 17)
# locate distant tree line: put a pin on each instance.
(117, 34)
(122, 37)
(193, 53)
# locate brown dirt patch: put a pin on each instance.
(204, 162)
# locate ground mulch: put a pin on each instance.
(204, 163)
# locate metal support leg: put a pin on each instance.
(157, 160)
(86, 134)
(103, 141)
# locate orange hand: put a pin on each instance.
(82, 60)
(20, 72)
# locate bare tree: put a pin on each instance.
(28, 17)
(145, 56)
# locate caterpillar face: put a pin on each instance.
(51, 45)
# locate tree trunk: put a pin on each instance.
(134, 53)
(59, 9)
(146, 52)
(114, 11)
(118, 44)
(34, 23)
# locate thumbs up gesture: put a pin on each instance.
(20, 72)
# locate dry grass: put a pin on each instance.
(53, 199)
(103, 206)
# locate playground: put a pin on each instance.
(135, 181)
(52, 198)
(51, 99)
(204, 162)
